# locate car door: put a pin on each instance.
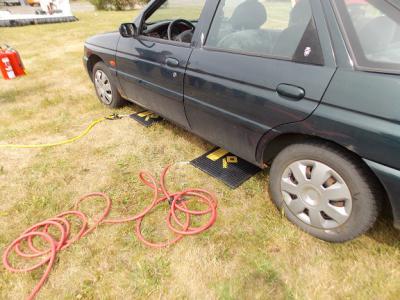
(151, 70)
(263, 64)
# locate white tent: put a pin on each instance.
(50, 11)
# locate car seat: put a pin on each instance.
(378, 34)
(289, 39)
(251, 14)
(246, 22)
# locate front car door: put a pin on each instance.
(263, 64)
(151, 67)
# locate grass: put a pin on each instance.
(251, 252)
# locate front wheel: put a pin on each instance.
(325, 191)
(105, 88)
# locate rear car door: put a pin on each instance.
(262, 64)
(151, 68)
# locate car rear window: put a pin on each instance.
(373, 30)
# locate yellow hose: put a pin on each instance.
(65, 142)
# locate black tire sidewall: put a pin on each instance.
(117, 100)
(364, 206)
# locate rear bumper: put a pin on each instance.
(390, 179)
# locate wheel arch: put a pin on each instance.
(274, 146)
(92, 61)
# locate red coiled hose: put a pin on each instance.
(176, 200)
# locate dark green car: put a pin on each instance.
(309, 86)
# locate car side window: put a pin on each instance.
(177, 9)
(282, 29)
(373, 28)
(182, 14)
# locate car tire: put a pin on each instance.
(105, 86)
(337, 209)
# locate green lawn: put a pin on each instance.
(251, 252)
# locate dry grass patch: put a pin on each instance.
(251, 252)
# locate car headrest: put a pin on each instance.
(378, 34)
(300, 14)
(251, 14)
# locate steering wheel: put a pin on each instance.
(182, 21)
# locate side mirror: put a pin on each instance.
(128, 30)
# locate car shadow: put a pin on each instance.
(384, 233)
(190, 137)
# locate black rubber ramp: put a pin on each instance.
(227, 167)
(146, 118)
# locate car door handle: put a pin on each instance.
(172, 62)
(291, 91)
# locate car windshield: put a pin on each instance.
(373, 28)
(177, 9)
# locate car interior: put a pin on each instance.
(179, 30)
(243, 31)
(379, 33)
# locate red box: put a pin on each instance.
(16, 62)
(5, 66)
(11, 65)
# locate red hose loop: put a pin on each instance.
(162, 182)
(36, 252)
(162, 244)
(150, 182)
(203, 196)
(81, 232)
(49, 260)
(178, 202)
(67, 228)
(190, 230)
(105, 212)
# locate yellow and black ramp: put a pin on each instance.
(146, 118)
(226, 167)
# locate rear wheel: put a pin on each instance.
(105, 87)
(325, 191)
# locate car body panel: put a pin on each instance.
(364, 112)
(359, 119)
(324, 35)
(231, 99)
(390, 179)
(103, 46)
(105, 55)
(234, 105)
(148, 80)
(107, 41)
(235, 109)
(339, 47)
(144, 75)
(354, 114)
